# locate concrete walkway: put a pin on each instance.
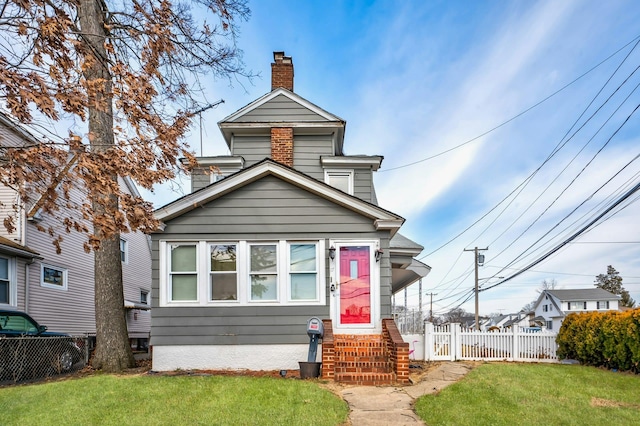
(393, 405)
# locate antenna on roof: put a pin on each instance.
(199, 112)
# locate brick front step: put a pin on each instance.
(366, 379)
(363, 367)
(365, 359)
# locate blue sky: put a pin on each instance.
(414, 79)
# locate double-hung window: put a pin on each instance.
(263, 272)
(603, 304)
(303, 271)
(5, 282)
(340, 179)
(223, 272)
(183, 272)
(124, 258)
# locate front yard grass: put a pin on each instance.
(528, 394)
(176, 400)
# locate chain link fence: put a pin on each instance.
(35, 358)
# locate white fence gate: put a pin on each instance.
(452, 342)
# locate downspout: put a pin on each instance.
(26, 284)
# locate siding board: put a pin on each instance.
(269, 208)
(252, 148)
(280, 108)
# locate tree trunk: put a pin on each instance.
(113, 352)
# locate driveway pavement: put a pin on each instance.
(393, 405)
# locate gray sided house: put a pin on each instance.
(58, 289)
(286, 228)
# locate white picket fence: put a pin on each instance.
(452, 342)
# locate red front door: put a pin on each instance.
(355, 285)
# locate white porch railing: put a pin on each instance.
(451, 342)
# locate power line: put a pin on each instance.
(563, 141)
(515, 116)
(568, 240)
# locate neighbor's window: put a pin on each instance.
(545, 308)
(4, 280)
(303, 271)
(603, 305)
(53, 277)
(223, 272)
(549, 325)
(340, 179)
(576, 306)
(263, 274)
(123, 251)
(144, 297)
(183, 272)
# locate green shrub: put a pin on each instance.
(608, 339)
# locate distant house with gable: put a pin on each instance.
(553, 306)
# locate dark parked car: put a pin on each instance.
(28, 350)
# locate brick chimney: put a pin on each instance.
(281, 71)
(282, 145)
(282, 137)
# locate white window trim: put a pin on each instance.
(375, 287)
(319, 255)
(65, 275)
(243, 268)
(341, 172)
(278, 272)
(209, 272)
(126, 251)
(221, 173)
(167, 268)
(147, 295)
(13, 286)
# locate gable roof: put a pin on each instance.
(575, 295)
(243, 119)
(583, 294)
(383, 219)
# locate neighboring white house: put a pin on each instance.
(554, 305)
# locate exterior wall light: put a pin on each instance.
(379, 253)
(332, 252)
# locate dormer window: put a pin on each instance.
(215, 177)
(340, 179)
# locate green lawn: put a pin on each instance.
(171, 400)
(529, 394)
(491, 394)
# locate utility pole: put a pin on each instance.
(477, 258)
(431, 306)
